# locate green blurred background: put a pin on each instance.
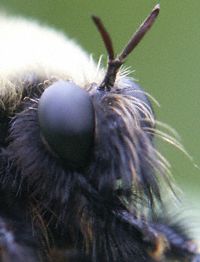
(166, 63)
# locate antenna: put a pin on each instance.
(115, 63)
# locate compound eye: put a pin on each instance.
(67, 122)
(136, 91)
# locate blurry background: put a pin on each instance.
(167, 63)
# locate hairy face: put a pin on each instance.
(121, 159)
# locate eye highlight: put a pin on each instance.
(66, 118)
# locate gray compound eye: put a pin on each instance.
(134, 90)
(67, 122)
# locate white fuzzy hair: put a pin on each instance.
(29, 47)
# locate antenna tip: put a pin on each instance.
(156, 8)
(95, 18)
